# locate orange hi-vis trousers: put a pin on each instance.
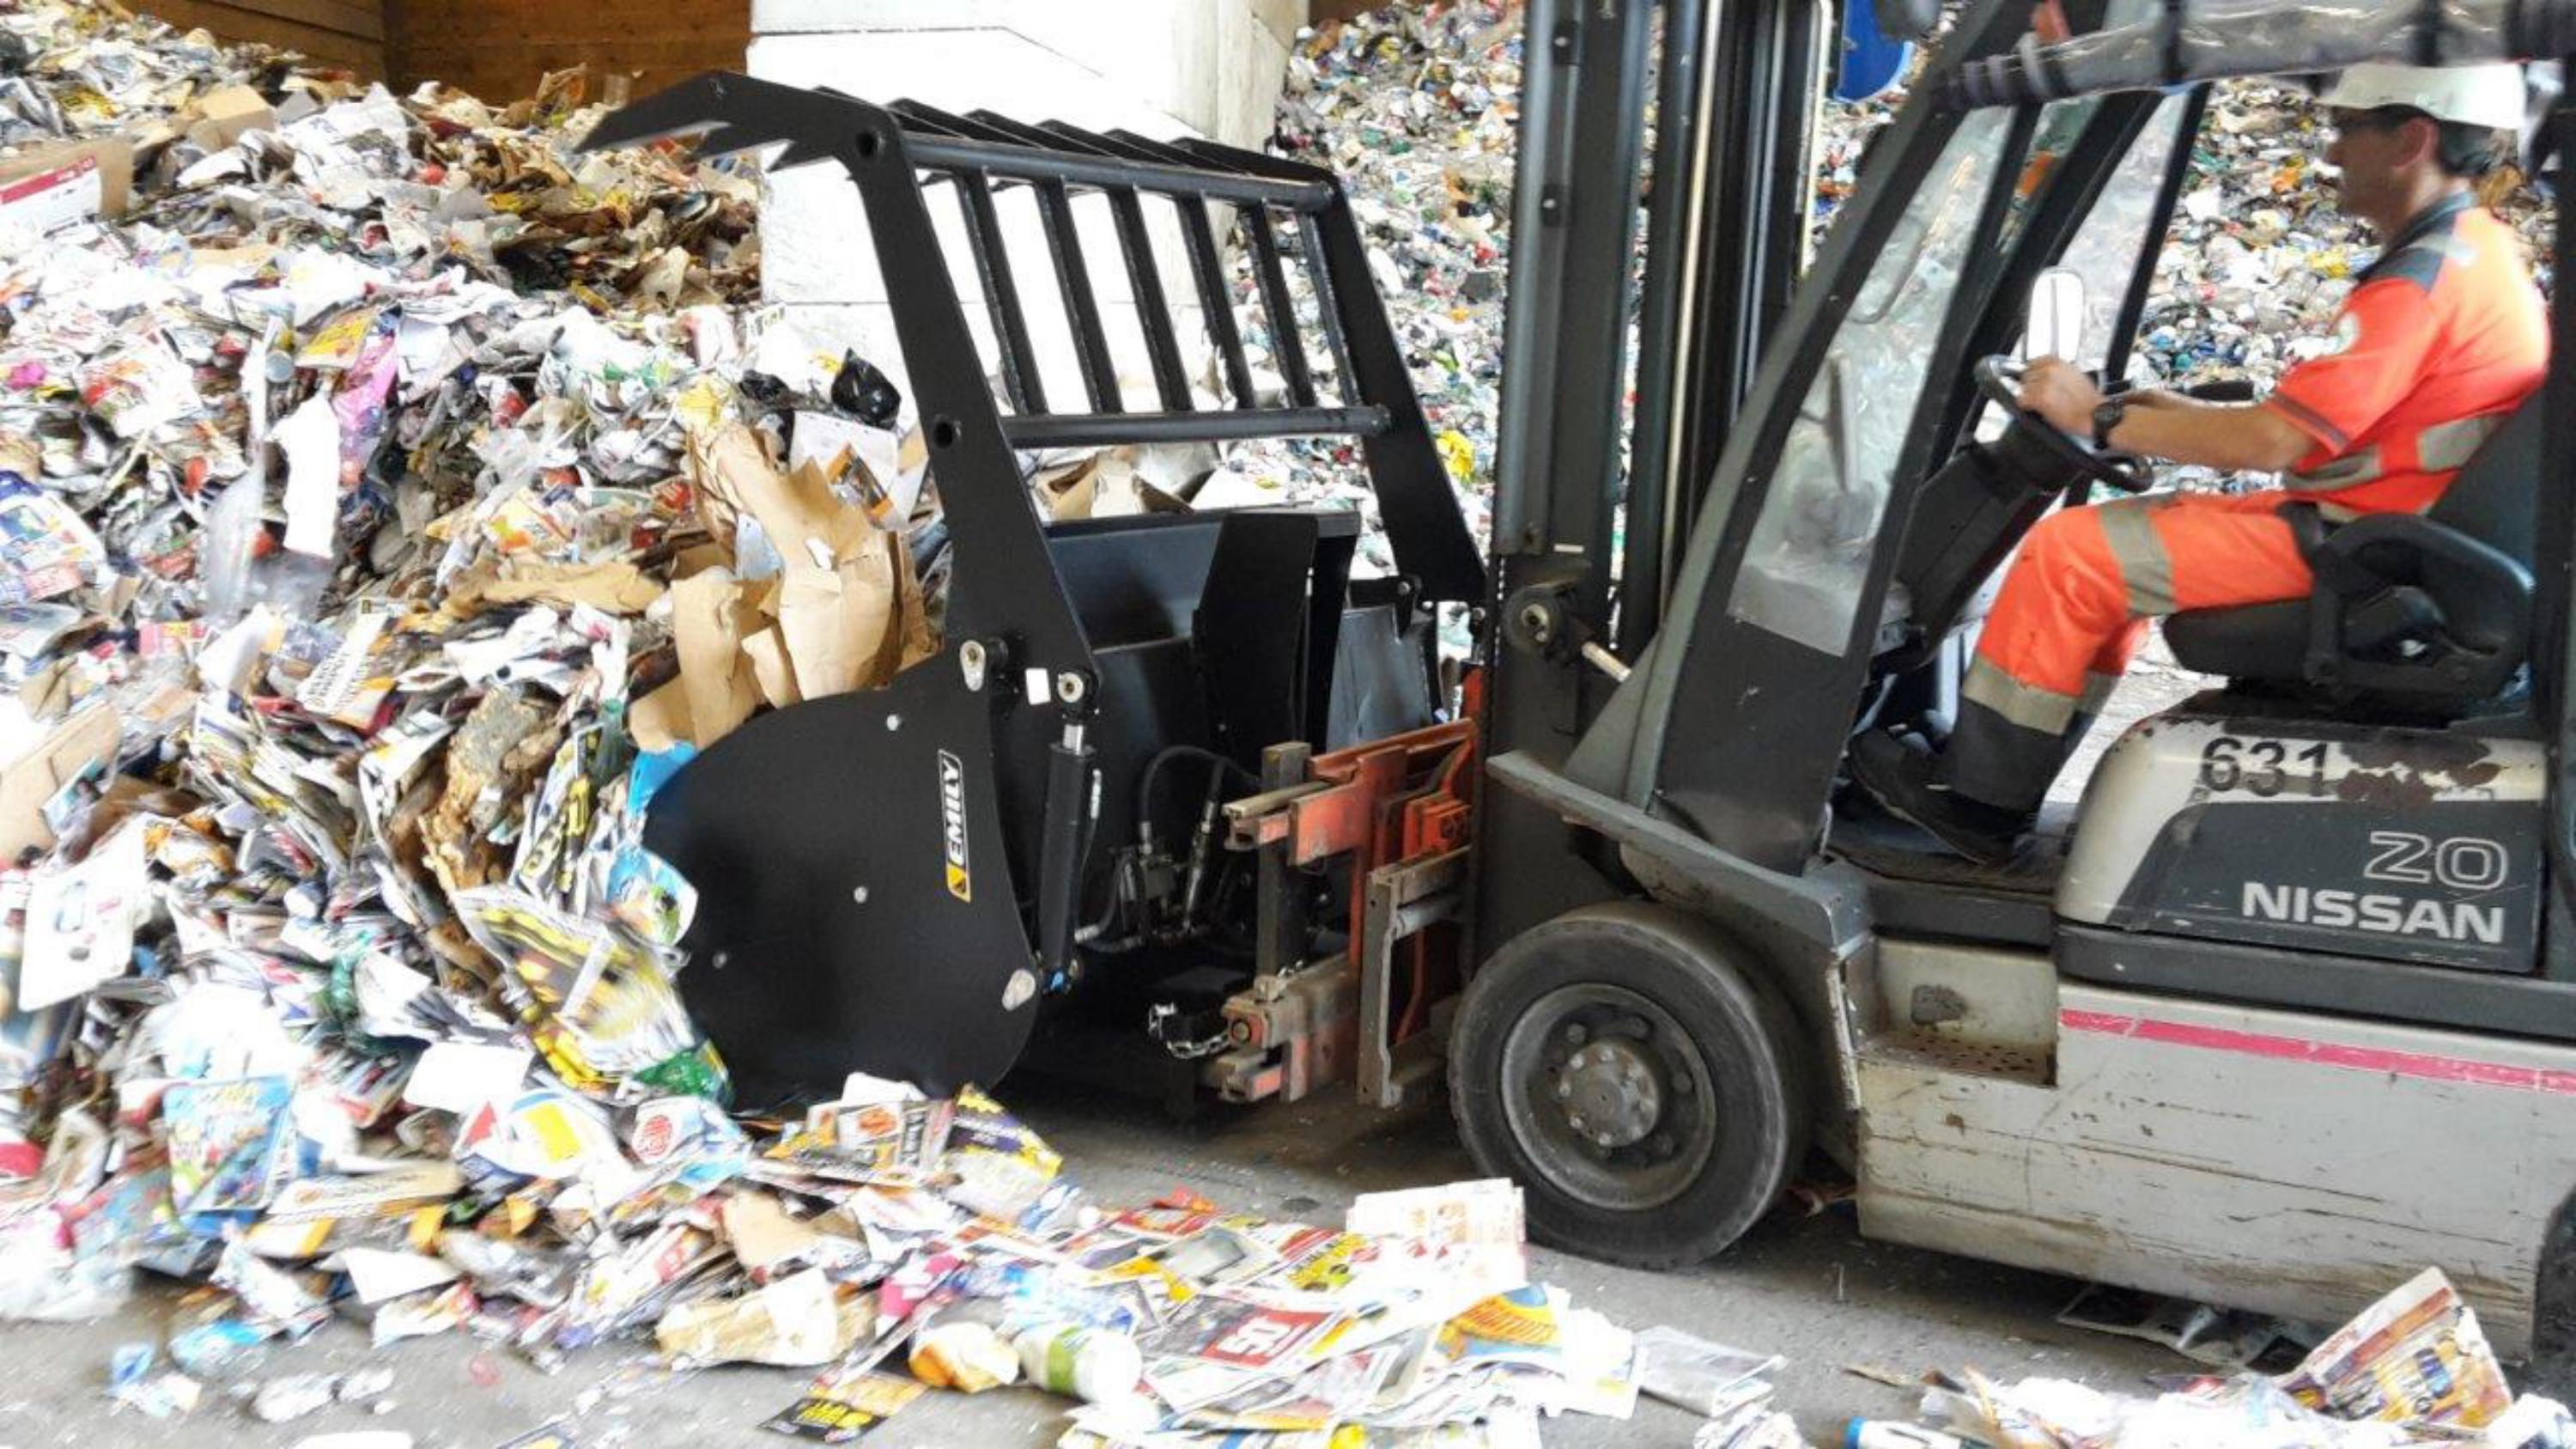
(2076, 601)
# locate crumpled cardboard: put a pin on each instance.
(49, 187)
(842, 612)
(1116, 483)
(228, 113)
(763, 1235)
(837, 625)
(797, 510)
(797, 1321)
(611, 585)
(710, 615)
(80, 744)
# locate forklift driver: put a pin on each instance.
(2439, 341)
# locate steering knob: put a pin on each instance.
(2000, 379)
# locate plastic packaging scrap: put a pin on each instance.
(132, 1383)
(1709, 1379)
(1752, 1427)
(292, 1396)
(2412, 1369)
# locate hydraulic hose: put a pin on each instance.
(1146, 779)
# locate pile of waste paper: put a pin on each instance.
(1416, 1318)
(392, 498)
(2412, 1369)
(898, 1244)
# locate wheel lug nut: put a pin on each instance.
(1564, 1090)
(1601, 1137)
(1575, 1120)
(1575, 1034)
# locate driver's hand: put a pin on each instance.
(2059, 391)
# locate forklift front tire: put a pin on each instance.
(1648, 1092)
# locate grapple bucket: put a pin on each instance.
(891, 880)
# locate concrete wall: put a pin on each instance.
(1160, 68)
(1211, 66)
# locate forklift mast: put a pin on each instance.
(1594, 497)
(1599, 492)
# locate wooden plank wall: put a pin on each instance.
(1324, 10)
(346, 33)
(497, 49)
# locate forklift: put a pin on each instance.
(2281, 1012)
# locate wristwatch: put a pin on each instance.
(2106, 417)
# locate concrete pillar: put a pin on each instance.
(1160, 68)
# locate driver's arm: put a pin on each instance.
(2235, 436)
(2240, 437)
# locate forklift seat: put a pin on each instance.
(2426, 611)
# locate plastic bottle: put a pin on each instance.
(1874, 1434)
(1094, 1365)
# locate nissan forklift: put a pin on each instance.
(2281, 1012)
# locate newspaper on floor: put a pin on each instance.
(2412, 1369)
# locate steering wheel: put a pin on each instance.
(1999, 378)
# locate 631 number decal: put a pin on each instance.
(2262, 768)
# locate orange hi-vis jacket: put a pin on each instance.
(2439, 343)
(2442, 338)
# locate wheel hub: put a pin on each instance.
(1610, 1093)
(1610, 1096)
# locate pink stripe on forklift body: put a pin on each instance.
(2333, 1054)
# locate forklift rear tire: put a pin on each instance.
(1648, 1093)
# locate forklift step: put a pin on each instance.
(1946, 1055)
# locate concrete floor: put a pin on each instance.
(1809, 1289)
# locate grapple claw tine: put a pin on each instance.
(693, 105)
